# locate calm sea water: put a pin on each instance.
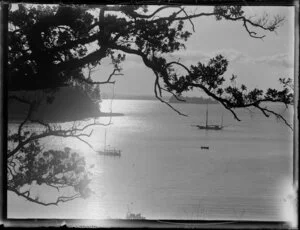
(164, 174)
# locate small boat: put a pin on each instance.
(204, 147)
(108, 151)
(210, 127)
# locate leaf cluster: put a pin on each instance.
(228, 11)
(54, 168)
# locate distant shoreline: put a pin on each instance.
(102, 114)
(68, 104)
(187, 100)
(137, 99)
(132, 97)
(192, 100)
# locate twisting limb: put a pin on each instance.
(156, 85)
(154, 13)
(177, 98)
(223, 101)
(252, 33)
(35, 164)
(10, 171)
(258, 23)
(108, 81)
(79, 138)
(24, 121)
(61, 199)
(193, 26)
(174, 15)
(59, 133)
(47, 125)
(51, 130)
(91, 70)
(277, 115)
(207, 91)
(13, 97)
(180, 64)
(188, 17)
(29, 113)
(227, 103)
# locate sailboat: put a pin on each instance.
(210, 127)
(108, 151)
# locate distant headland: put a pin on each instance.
(69, 104)
(192, 100)
(128, 97)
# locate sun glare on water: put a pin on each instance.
(289, 207)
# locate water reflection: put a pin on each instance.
(163, 173)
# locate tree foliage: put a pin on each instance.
(31, 166)
(50, 46)
(47, 43)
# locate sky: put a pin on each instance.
(256, 62)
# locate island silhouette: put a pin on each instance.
(192, 100)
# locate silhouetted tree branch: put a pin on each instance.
(230, 97)
(29, 165)
(59, 43)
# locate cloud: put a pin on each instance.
(233, 56)
(284, 60)
(188, 56)
(195, 56)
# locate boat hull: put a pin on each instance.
(114, 153)
(214, 127)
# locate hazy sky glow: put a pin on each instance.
(256, 62)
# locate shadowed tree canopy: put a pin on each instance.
(30, 166)
(60, 170)
(49, 46)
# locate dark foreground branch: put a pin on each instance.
(60, 199)
(235, 98)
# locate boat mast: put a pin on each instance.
(222, 121)
(105, 139)
(206, 115)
